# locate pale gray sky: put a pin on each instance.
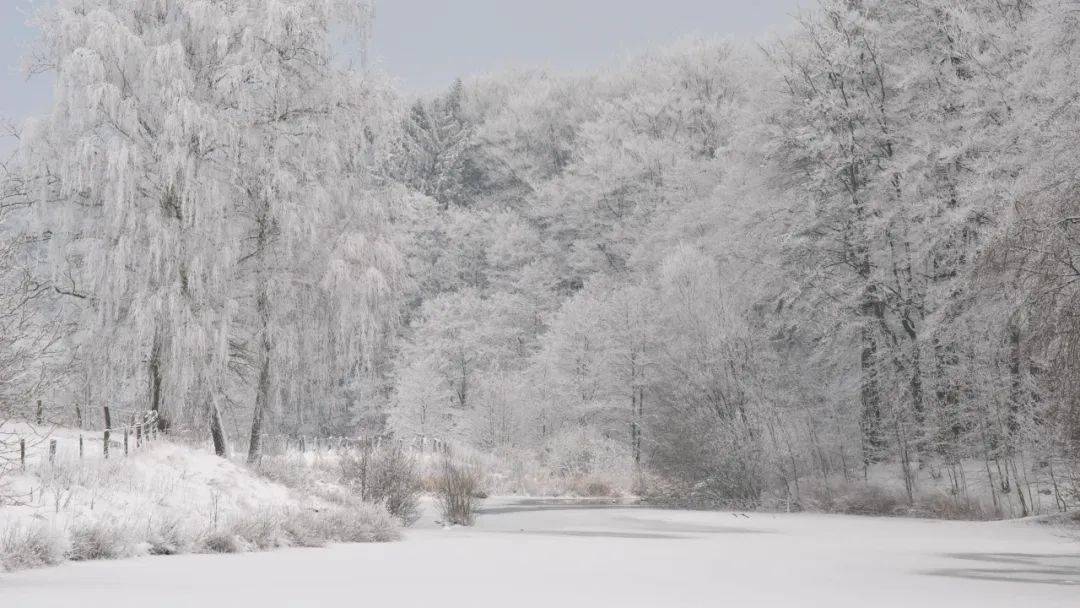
(425, 44)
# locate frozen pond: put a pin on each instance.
(542, 553)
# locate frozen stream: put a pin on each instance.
(544, 553)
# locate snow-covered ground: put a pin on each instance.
(545, 553)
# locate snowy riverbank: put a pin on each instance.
(559, 553)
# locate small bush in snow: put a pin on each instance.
(869, 499)
(23, 547)
(387, 476)
(258, 530)
(96, 539)
(223, 541)
(172, 536)
(852, 499)
(940, 505)
(362, 523)
(302, 529)
(457, 486)
(262, 529)
(597, 488)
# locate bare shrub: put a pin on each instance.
(940, 505)
(870, 499)
(852, 499)
(457, 487)
(23, 547)
(706, 462)
(386, 476)
(816, 495)
(596, 488)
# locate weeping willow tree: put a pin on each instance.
(204, 165)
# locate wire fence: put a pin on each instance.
(277, 445)
(121, 433)
(78, 433)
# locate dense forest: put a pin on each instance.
(733, 271)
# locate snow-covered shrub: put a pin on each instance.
(591, 463)
(222, 541)
(31, 546)
(457, 486)
(578, 462)
(584, 450)
(358, 523)
(241, 532)
(301, 528)
(93, 538)
(387, 476)
(262, 529)
(288, 471)
(173, 536)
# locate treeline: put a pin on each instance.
(738, 269)
(845, 250)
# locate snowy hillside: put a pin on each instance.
(169, 498)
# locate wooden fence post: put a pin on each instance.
(22, 453)
(52, 451)
(108, 427)
(125, 441)
(40, 417)
(80, 447)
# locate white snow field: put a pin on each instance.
(526, 553)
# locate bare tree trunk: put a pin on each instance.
(155, 382)
(262, 306)
(905, 462)
(869, 398)
(637, 408)
(990, 478)
(1024, 510)
(217, 429)
(262, 394)
(261, 397)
